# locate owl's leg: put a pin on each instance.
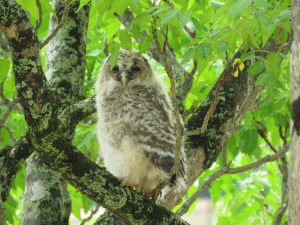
(155, 193)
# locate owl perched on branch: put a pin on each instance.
(136, 124)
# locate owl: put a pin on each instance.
(136, 125)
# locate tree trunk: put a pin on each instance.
(294, 180)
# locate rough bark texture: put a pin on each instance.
(42, 200)
(294, 179)
(65, 69)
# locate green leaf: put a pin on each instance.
(170, 15)
(135, 2)
(113, 49)
(189, 54)
(238, 7)
(261, 79)
(103, 6)
(118, 6)
(94, 52)
(175, 33)
(223, 9)
(263, 3)
(184, 18)
(274, 79)
(125, 39)
(256, 68)
(251, 137)
(4, 65)
(216, 5)
(273, 61)
(204, 50)
(196, 24)
(144, 45)
(86, 203)
(32, 8)
(160, 10)
(82, 3)
(46, 5)
(281, 119)
(284, 16)
(136, 31)
(223, 46)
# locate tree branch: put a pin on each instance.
(226, 170)
(62, 23)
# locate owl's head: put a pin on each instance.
(130, 67)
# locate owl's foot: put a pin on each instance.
(156, 193)
(136, 187)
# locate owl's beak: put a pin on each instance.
(124, 78)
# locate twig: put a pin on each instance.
(6, 102)
(212, 105)
(255, 107)
(62, 23)
(176, 113)
(227, 58)
(168, 43)
(261, 133)
(226, 170)
(93, 212)
(12, 135)
(279, 35)
(189, 111)
(284, 200)
(7, 113)
(39, 23)
(283, 137)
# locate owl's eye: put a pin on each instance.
(115, 69)
(135, 69)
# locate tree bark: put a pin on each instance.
(61, 76)
(294, 179)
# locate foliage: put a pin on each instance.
(221, 28)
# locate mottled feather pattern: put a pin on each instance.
(136, 124)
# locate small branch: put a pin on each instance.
(212, 105)
(7, 113)
(261, 133)
(284, 199)
(62, 23)
(283, 136)
(255, 107)
(279, 35)
(12, 135)
(105, 47)
(40, 14)
(227, 58)
(226, 170)
(93, 212)
(189, 111)
(194, 70)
